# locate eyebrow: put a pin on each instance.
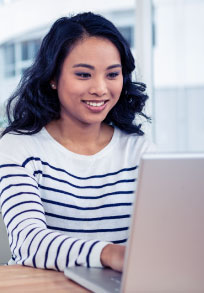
(92, 67)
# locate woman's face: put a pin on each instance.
(90, 82)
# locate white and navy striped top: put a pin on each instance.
(61, 208)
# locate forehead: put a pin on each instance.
(93, 49)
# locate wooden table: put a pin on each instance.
(20, 279)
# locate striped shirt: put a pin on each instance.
(61, 208)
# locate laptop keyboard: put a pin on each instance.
(116, 280)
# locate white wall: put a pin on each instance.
(179, 57)
(179, 75)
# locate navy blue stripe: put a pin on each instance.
(80, 250)
(86, 197)
(12, 231)
(48, 248)
(86, 219)
(88, 255)
(89, 186)
(119, 241)
(87, 231)
(34, 256)
(20, 254)
(58, 251)
(16, 194)
(31, 159)
(19, 184)
(85, 178)
(14, 175)
(85, 208)
(28, 252)
(68, 254)
(9, 165)
(18, 235)
(74, 176)
(26, 211)
(13, 257)
(20, 203)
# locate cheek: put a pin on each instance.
(118, 88)
(69, 90)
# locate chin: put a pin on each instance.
(97, 120)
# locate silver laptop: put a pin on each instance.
(165, 250)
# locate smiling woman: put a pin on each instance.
(67, 187)
(88, 87)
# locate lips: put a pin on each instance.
(94, 105)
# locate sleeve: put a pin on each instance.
(31, 242)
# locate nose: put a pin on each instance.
(98, 87)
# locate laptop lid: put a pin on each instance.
(166, 244)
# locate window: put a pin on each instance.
(9, 59)
(29, 49)
(18, 56)
(127, 33)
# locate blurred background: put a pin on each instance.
(166, 38)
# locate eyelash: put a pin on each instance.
(113, 75)
(85, 75)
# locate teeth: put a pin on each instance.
(94, 104)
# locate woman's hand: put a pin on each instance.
(112, 256)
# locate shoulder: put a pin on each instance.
(11, 138)
(134, 141)
(18, 146)
(129, 148)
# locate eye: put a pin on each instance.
(83, 75)
(113, 75)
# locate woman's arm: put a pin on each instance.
(31, 242)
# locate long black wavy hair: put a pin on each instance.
(34, 103)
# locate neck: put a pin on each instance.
(82, 139)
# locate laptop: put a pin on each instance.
(165, 249)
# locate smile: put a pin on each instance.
(95, 103)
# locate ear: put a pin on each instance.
(53, 85)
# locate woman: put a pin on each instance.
(70, 154)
